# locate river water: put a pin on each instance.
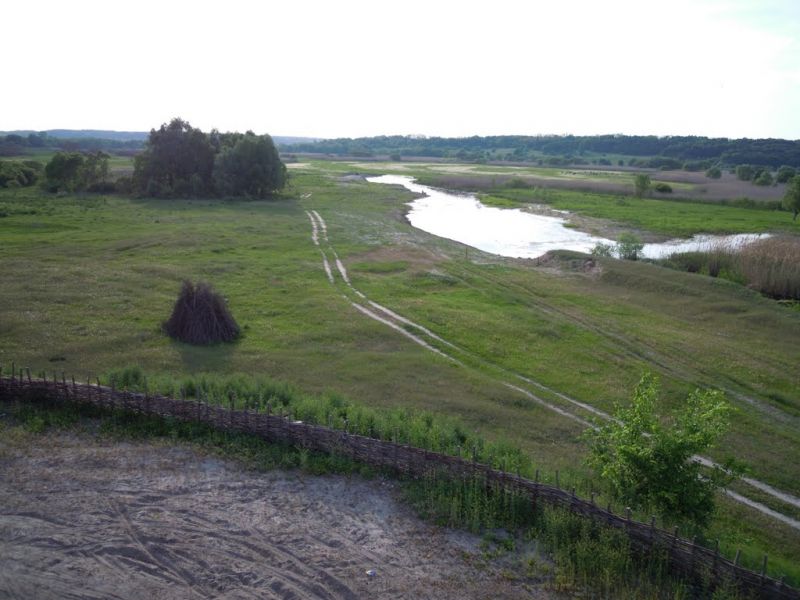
(517, 233)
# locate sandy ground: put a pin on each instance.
(88, 518)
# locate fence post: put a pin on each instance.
(764, 569)
(13, 370)
(736, 558)
(557, 483)
(28, 371)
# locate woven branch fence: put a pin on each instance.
(685, 557)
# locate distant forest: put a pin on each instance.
(19, 143)
(671, 152)
(667, 152)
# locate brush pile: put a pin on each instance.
(201, 317)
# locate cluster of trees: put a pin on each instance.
(698, 153)
(19, 173)
(181, 161)
(77, 172)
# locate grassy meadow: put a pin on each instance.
(88, 280)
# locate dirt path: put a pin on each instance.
(84, 518)
(556, 402)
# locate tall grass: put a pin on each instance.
(771, 265)
(421, 429)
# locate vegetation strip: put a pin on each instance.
(685, 557)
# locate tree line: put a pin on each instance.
(676, 150)
(177, 161)
(15, 144)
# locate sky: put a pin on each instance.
(346, 68)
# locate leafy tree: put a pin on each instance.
(641, 185)
(764, 177)
(63, 171)
(714, 173)
(745, 172)
(76, 171)
(177, 161)
(249, 167)
(785, 174)
(18, 174)
(629, 247)
(647, 462)
(791, 200)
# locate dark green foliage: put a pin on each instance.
(663, 188)
(250, 167)
(181, 161)
(745, 172)
(647, 463)
(784, 174)
(714, 173)
(177, 161)
(669, 152)
(19, 174)
(76, 171)
(763, 177)
(641, 185)
(791, 200)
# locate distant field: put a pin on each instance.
(88, 280)
(609, 180)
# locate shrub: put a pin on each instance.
(714, 173)
(663, 188)
(647, 462)
(601, 249)
(745, 172)
(785, 174)
(629, 247)
(201, 316)
(763, 178)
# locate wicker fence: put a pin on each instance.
(687, 558)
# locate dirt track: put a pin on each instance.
(82, 518)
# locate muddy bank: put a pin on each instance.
(88, 518)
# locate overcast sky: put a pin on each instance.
(728, 68)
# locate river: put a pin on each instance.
(517, 233)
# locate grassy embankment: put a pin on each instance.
(87, 281)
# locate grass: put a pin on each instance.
(667, 217)
(87, 282)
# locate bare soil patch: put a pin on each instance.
(91, 518)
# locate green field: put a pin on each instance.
(88, 280)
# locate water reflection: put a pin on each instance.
(516, 233)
